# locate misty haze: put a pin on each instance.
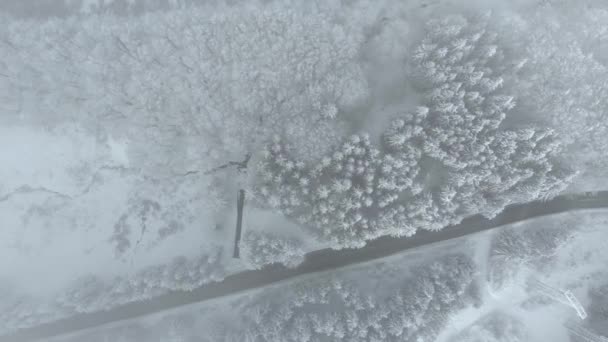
(303, 170)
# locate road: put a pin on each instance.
(317, 261)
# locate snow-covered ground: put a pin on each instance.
(515, 313)
(577, 264)
(110, 126)
(62, 193)
(365, 284)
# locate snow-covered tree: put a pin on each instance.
(335, 197)
(284, 183)
(350, 195)
(445, 160)
(402, 163)
(344, 191)
(262, 248)
(338, 310)
(92, 293)
(185, 100)
(563, 83)
(462, 68)
(536, 248)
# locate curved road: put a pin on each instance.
(321, 260)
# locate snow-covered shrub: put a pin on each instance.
(337, 310)
(263, 248)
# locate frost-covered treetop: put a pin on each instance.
(447, 159)
(227, 80)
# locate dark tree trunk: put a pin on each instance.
(240, 204)
(241, 168)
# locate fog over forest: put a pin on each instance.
(283, 170)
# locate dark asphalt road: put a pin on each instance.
(321, 260)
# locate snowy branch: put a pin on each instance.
(27, 189)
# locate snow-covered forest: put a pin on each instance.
(441, 293)
(129, 129)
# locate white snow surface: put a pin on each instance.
(78, 200)
(534, 318)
